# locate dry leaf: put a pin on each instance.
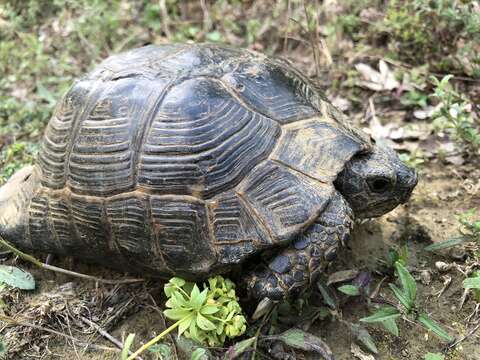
(359, 354)
(377, 80)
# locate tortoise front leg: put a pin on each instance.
(296, 267)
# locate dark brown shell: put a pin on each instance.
(183, 159)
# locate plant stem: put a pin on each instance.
(42, 265)
(155, 339)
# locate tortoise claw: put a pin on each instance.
(263, 307)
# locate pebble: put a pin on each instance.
(442, 266)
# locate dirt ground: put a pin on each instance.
(340, 45)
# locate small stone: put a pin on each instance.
(425, 277)
(442, 266)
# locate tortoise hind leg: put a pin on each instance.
(297, 266)
(15, 197)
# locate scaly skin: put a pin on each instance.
(296, 267)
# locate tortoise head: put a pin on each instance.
(376, 182)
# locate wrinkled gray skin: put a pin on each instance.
(375, 183)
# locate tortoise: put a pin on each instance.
(192, 159)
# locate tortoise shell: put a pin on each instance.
(186, 159)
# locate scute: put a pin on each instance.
(318, 148)
(285, 201)
(202, 141)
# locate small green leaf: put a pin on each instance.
(408, 282)
(401, 297)
(16, 277)
(178, 300)
(209, 309)
(184, 324)
(195, 296)
(328, 296)
(382, 314)
(126, 346)
(446, 244)
(199, 298)
(199, 354)
(472, 283)
(163, 351)
(205, 324)
(391, 326)
(302, 340)
(436, 356)
(363, 336)
(177, 281)
(431, 325)
(239, 348)
(350, 290)
(176, 314)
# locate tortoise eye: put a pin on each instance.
(379, 184)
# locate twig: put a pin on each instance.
(257, 333)
(165, 19)
(170, 337)
(407, 66)
(70, 331)
(106, 335)
(13, 321)
(311, 34)
(42, 265)
(470, 333)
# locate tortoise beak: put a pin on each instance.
(407, 184)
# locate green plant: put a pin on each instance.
(440, 33)
(397, 254)
(454, 114)
(126, 346)
(208, 316)
(415, 159)
(432, 356)
(473, 282)
(469, 230)
(407, 307)
(15, 156)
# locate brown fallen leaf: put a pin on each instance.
(341, 276)
(359, 354)
(377, 80)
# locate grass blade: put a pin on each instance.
(350, 290)
(431, 325)
(381, 315)
(239, 348)
(446, 244)
(408, 282)
(302, 340)
(362, 336)
(391, 326)
(127, 345)
(404, 300)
